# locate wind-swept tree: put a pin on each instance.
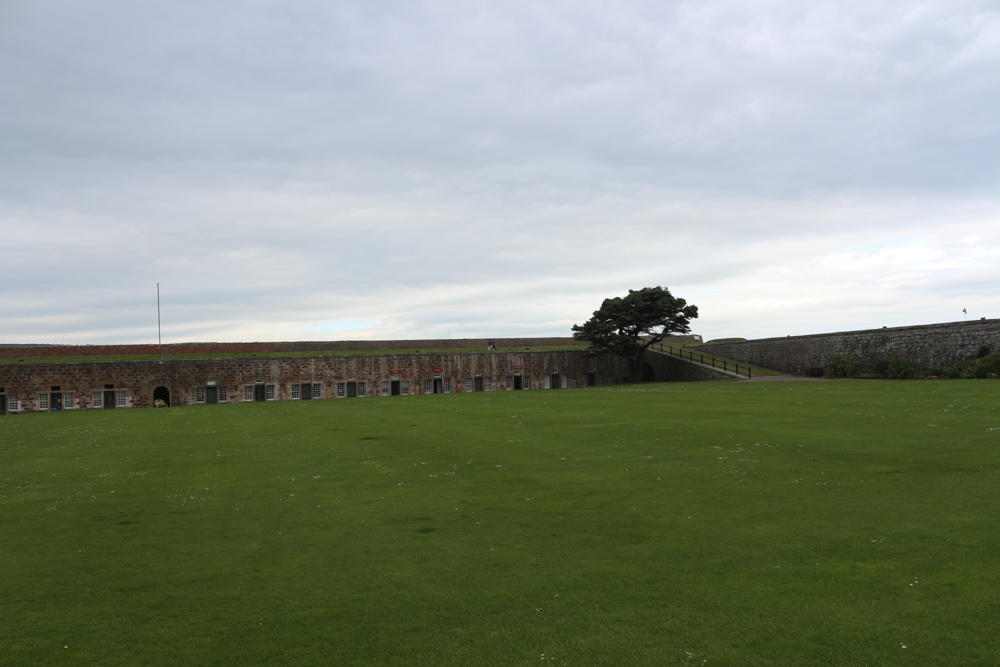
(628, 325)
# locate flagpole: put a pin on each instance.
(159, 336)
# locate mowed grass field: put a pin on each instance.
(808, 523)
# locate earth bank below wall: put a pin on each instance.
(930, 345)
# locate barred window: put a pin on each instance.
(405, 388)
(270, 392)
(98, 401)
(447, 385)
(12, 403)
(223, 395)
(67, 400)
(248, 392)
(428, 387)
(487, 384)
(547, 382)
(295, 392)
(526, 382)
(121, 398)
(509, 383)
(385, 387)
(317, 390)
(43, 401)
(199, 395)
(361, 390)
(468, 384)
(341, 389)
(562, 381)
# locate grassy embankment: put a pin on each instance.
(826, 523)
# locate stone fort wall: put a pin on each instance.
(930, 345)
(38, 386)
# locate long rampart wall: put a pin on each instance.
(38, 386)
(929, 345)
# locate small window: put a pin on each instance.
(295, 392)
(600, 379)
(121, 398)
(447, 385)
(385, 387)
(223, 395)
(468, 384)
(405, 388)
(546, 382)
(43, 401)
(361, 390)
(98, 401)
(199, 395)
(486, 384)
(248, 392)
(526, 382)
(67, 400)
(270, 392)
(562, 381)
(428, 386)
(341, 389)
(509, 383)
(317, 390)
(12, 403)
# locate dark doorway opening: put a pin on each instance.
(55, 401)
(591, 379)
(109, 400)
(352, 390)
(517, 382)
(394, 388)
(477, 384)
(161, 394)
(648, 375)
(438, 386)
(259, 393)
(306, 393)
(212, 395)
(555, 381)
(3, 404)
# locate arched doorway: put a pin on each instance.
(648, 375)
(161, 394)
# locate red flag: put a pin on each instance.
(963, 310)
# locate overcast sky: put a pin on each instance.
(349, 170)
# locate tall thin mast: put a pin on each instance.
(159, 336)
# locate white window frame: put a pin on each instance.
(385, 387)
(317, 390)
(223, 395)
(121, 400)
(341, 389)
(43, 402)
(600, 379)
(509, 383)
(248, 393)
(447, 385)
(362, 389)
(13, 405)
(487, 384)
(428, 386)
(563, 381)
(98, 401)
(199, 395)
(547, 382)
(404, 387)
(270, 393)
(525, 382)
(67, 400)
(295, 391)
(468, 384)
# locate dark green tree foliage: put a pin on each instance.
(627, 326)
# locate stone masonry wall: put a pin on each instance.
(183, 377)
(930, 345)
(672, 369)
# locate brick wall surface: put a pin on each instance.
(930, 345)
(183, 377)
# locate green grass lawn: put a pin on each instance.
(812, 523)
